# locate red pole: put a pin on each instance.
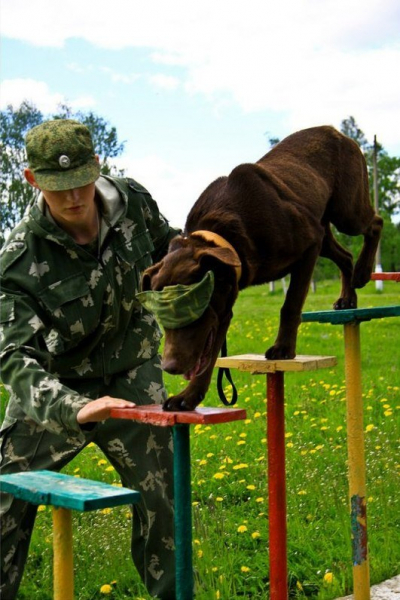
(277, 486)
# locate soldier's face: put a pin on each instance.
(72, 206)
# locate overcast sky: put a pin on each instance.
(197, 87)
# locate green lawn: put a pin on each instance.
(229, 472)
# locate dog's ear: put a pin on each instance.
(223, 255)
(177, 242)
(147, 276)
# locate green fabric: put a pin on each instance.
(178, 305)
(61, 155)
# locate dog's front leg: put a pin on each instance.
(300, 279)
(195, 392)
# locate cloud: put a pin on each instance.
(15, 91)
(311, 61)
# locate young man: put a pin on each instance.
(75, 343)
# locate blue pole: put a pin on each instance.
(183, 513)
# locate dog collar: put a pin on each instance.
(218, 240)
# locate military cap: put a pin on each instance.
(61, 155)
(176, 306)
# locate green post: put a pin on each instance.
(183, 513)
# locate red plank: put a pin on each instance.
(155, 415)
(386, 276)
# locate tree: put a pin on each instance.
(15, 193)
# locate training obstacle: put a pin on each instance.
(64, 493)
(351, 320)
(256, 364)
(180, 422)
(393, 276)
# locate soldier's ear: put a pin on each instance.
(30, 177)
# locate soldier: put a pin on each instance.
(75, 342)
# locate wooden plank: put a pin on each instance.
(57, 489)
(257, 363)
(351, 315)
(155, 415)
(394, 276)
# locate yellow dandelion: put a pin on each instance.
(288, 434)
(241, 443)
(242, 529)
(217, 595)
(388, 413)
(42, 508)
(255, 535)
(245, 569)
(302, 493)
(259, 500)
(106, 589)
(251, 487)
(219, 499)
(202, 462)
(328, 578)
(106, 511)
(110, 468)
(369, 427)
(240, 466)
(200, 553)
(219, 475)
(101, 462)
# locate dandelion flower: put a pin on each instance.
(251, 487)
(369, 427)
(102, 462)
(245, 569)
(328, 578)
(255, 535)
(106, 589)
(242, 529)
(41, 508)
(219, 475)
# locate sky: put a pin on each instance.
(196, 87)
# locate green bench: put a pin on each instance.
(64, 493)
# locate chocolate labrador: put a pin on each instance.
(262, 222)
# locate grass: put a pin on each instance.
(230, 512)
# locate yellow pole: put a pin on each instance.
(63, 559)
(355, 441)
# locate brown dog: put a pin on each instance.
(270, 218)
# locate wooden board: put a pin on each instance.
(258, 364)
(351, 315)
(386, 276)
(155, 415)
(57, 489)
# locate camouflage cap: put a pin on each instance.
(178, 305)
(61, 155)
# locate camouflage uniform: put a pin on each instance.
(72, 331)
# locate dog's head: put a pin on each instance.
(190, 348)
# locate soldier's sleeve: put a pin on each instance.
(24, 358)
(160, 230)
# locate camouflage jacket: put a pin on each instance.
(67, 313)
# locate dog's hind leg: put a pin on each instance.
(365, 262)
(344, 260)
(300, 279)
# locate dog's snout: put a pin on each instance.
(170, 365)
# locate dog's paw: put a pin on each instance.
(179, 404)
(345, 303)
(280, 352)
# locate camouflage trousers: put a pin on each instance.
(140, 453)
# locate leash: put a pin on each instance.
(225, 371)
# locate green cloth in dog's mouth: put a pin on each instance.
(176, 306)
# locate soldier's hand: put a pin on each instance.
(100, 409)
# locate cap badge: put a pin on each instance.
(64, 161)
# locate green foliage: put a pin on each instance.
(230, 509)
(15, 193)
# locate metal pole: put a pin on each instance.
(355, 441)
(183, 513)
(277, 486)
(378, 259)
(63, 558)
